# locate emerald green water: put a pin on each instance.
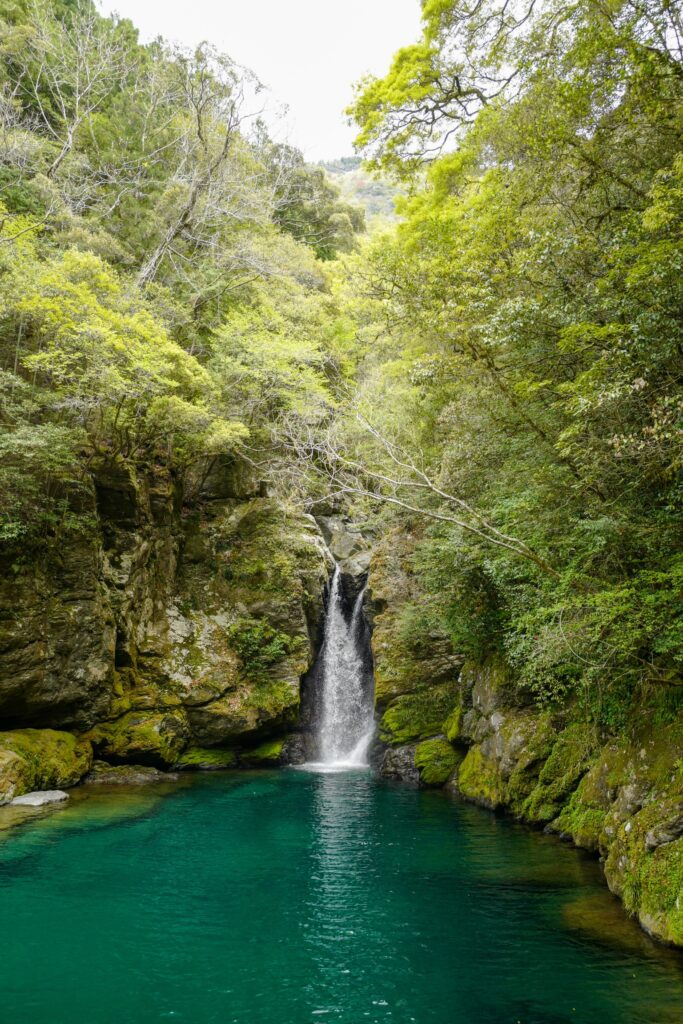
(295, 898)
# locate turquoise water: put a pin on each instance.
(296, 898)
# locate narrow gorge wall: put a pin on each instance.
(468, 726)
(173, 634)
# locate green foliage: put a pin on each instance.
(309, 206)
(527, 316)
(259, 646)
(140, 216)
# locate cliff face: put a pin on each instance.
(468, 726)
(166, 634)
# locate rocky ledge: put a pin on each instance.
(469, 727)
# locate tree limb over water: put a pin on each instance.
(386, 473)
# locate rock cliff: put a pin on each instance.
(170, 632)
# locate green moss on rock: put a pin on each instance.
(650, 880)
(259, 646)
(417, 716)
(453, 725)
(267, 754)
(410, 643)
(479, 780)
(32, 759)
(271, 705)
(435, 760)
(154, 738)
(580, 823)
(568, 760)
(204, 759)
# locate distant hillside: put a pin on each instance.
(375, 195)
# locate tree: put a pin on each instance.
(65, 69)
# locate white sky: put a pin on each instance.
(309, 52)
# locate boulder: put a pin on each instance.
(40, 798)
(40, 759)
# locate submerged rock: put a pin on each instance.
(125, 775)
(40, 798)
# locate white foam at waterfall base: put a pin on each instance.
(346, 722)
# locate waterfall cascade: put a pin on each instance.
(346, 721)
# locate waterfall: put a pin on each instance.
(346, 722)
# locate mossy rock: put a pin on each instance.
(490, 686)
(580, 823)
(155, 738)
(479, 780)
(410, 643)
(453, 725)
(435, 760)
(583, 817)
(202, 759)
(650, 881)
(567, 762)
(266, 707)
(32, 759)
(266, 755)
(539, 735)
(417, 716)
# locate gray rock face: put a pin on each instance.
(39, 799)
(399, 763)
(57, 638)
(201, 612)
(667, 831)
(350, 547)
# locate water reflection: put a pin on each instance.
(343, 915)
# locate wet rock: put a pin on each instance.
(399, 763)
(125, 775)
(294, 750)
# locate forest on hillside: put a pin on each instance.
(499, 372)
